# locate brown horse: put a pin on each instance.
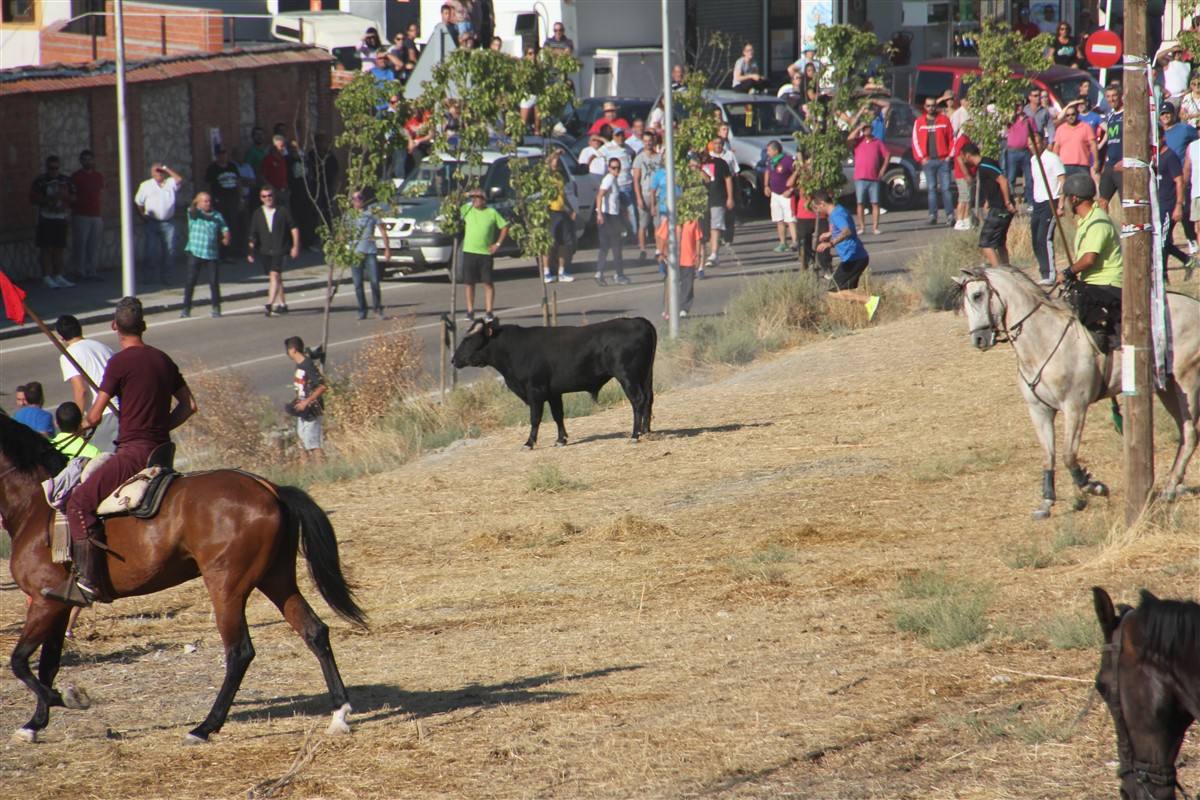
(1150, 678)
(236, 531)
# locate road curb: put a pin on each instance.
(105, 314)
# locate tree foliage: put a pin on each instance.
(696, 126)
(994, 95)
(1188, 39)
(846, 55)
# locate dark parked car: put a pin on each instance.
(579, 119)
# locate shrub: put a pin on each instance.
(384, 373)
(234, 424)
(549, 479)
(942, 613)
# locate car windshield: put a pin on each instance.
(932, 83)
(1083, 87)
(762, 118)
(434, 177)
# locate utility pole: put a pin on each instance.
(128, 277)
(1135, 296)
(669, 163)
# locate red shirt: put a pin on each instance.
(274, 170)
(800, 209)
(144, 379)
(959, 143)
(89, 184)
(614, 123)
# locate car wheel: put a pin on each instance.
(899, 191)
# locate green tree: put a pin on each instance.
(696, 126)
(994, 95)
(846, 55)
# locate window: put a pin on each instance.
(18, 11)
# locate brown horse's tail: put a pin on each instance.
(319, 545)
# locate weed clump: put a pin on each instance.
(942, 613)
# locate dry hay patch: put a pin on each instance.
(631, 528)
(535, 534)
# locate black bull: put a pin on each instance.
(540, 365)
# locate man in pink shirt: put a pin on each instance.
(87, 224)
(1075, 143)
(870, 162)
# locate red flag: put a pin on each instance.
(14, 297)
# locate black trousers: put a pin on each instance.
(194, 265)
(1100, 308)
(1041, 225)
(805, 230)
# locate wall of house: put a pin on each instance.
(169, 121)
(151, 30)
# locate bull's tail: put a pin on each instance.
(319, 545)
(649, 412)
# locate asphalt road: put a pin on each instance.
(244, 340)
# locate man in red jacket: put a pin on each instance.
(932, 141)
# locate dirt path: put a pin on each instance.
(709, 613)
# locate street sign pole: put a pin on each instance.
(669, 162)
(1137, 240)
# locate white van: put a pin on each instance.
(335, 32)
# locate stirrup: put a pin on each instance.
(71, 592)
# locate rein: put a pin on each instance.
(1146, 774)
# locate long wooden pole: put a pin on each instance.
(1135, 297)
(67, 355)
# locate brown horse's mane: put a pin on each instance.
(1170, 630)
(26, 449)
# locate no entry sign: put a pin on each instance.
(1103, 49)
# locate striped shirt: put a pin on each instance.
(204, 234)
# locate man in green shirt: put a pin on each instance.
(484, 230)
(1098, 268)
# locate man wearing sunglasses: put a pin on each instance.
(272, 229)
(560, 40)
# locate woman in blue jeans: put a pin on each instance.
(365, 223)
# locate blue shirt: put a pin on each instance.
(878, 129)
(39, 419)
(658, 185)
(364, 224)
(850, 248)
(1178, 137)
(1169, 168)
(1115, 123)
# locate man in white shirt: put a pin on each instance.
(619, 150)
(590, 155)
(1175, 74)
(93, 356)
(608, 220)
(155, 201)
(1043, 222)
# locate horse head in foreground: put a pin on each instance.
(1061, 369)
(1150, 679)
(237, 531)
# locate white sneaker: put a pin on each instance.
(1046, 281)
(548, 277)
(962, 225)
(63, 283)
(565, 278)
(49, 282)
(1192, 248)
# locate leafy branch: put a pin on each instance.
(994, 95)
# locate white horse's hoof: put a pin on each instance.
(25, 735)
(76, 698)
(1040, 514)
(1170, 495)
(1098, 489)
(338, 725)
(192, 740)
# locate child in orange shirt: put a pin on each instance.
(691, 241)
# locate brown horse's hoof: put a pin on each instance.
(76, 698)
(25, 735)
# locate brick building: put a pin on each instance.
(177, 107)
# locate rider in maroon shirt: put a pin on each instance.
(144, 379)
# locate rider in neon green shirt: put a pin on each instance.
(1098, 268)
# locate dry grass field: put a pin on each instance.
(818, 579)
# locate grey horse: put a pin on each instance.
(1060, 368)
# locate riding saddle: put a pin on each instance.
(141, 496)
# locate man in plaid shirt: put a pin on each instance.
(207, 230)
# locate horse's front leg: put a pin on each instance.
(1181, 405)
(1073, 420)
(1042, 416)
(45, 626)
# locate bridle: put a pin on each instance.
(1146, 774)
(1001, 332)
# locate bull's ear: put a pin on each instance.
(475, 327)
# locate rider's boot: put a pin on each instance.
(82, 586)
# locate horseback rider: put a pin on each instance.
(144, 379)
(1098, 269)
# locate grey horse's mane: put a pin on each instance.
(1022, 283)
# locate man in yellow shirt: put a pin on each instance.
(1098, 269)
(67, 441)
